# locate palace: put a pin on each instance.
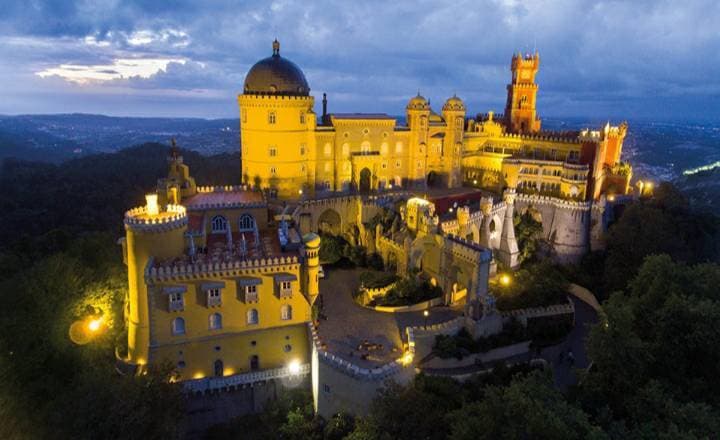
(287, 151)
(223, 281)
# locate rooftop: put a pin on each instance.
(220, 251)
(361, 116)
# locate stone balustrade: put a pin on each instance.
(242, 379)
(536, 312)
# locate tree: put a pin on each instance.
(530, 407)
(654, 346)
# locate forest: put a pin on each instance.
(655, 355)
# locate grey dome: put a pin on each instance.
(275, 75)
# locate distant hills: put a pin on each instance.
(55, 138)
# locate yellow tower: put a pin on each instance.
(149, 233)
(277, 126)
(520, 109)
(312, 254)
(453, 112)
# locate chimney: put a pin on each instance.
(324, 113)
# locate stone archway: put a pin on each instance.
(433, 180)
(365, 180)
(330, 222)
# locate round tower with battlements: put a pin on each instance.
(150, 232)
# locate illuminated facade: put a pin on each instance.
(289, 152)
(212, 288)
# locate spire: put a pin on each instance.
(174, 150)
(276, 48)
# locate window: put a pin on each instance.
(215, 321)
(286, 312)
(176, 302)
(345, 150)
(365, 147)
(246, 223)
(287, 348)
(273, 171)
(252, 317)
(285, 289)
(244, 115)
(326, 388)
(271, 118)
(398, 164)
(384, 148)
(213, 297)
(398, 147)
(272, 151)
(327, 167)
(302, 168)
(302, 149)
(302, 117)
(384, 165)
(251, 294)
(328, 150)
(219, 224)
(326, 185)
(178, 326)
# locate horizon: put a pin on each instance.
(186, 60)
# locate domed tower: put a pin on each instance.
(418, 120)
(311, 242)
(276, 127)
(149, 233)
(453, 112)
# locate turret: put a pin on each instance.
(311, 241)
(150, 232)
(178, 184)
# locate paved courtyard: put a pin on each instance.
(346, 325)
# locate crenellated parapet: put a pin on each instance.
(535, 199)
(188, 271)
(469, 251)
(567, 138)
(351, 369)
(222, 188)
(141, 219)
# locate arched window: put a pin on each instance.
(219, 224)
(246, 223)
(285, 312)
(302, 117)
(215, 321)
(178, 326)
(271, 117)
(252, 317)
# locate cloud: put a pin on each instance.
(368, 55)
(119, 69)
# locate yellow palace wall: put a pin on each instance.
(236, 350)
(199, 341)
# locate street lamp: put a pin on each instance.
(426, 313)
(505, 279)
(294, 367)
(94, 325)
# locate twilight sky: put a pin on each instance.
(612, 59)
